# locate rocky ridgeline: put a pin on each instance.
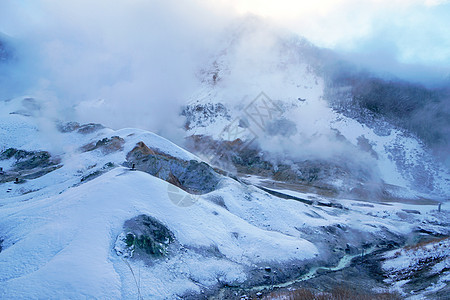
(192, 176)
(106, 145)
(75, 126)
(318, 176)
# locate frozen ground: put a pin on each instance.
(420, 271)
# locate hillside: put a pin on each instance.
(81, 221)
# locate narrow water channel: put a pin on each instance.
(343, 263)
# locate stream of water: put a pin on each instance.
(343, 263)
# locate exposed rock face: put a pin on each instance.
(90, 128)
(106, 145)
(68, 127)
(317, 174)
(202, 115)
(191, 176)
(83, 129)
(106, 167)
(144, 235)
(27, 165)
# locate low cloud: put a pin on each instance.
(123, 64)
(132, 63)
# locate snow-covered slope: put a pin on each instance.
(60, 232)
(417, 272)
(63, 245)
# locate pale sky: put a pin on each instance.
(135, 52)
(418, 30)
(66, 40)
(413, 31)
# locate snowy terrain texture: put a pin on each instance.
(60, 232)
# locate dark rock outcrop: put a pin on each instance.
(83, 129)
(106, 168)
(106, 145)
(317, 175)
(27, 165)
(90, 128)
(144, 236)
(192, 176)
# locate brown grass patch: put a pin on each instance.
(425, 243)
(338, 293)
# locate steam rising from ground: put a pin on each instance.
(123, 64)
(132, 63)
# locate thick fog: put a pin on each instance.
(127, 63)
(132, 63)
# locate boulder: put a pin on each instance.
(192, 176)
(144, 235)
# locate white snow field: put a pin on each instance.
(58, 232)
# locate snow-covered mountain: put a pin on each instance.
(307, 121)
(294, 174)
(90, 212)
